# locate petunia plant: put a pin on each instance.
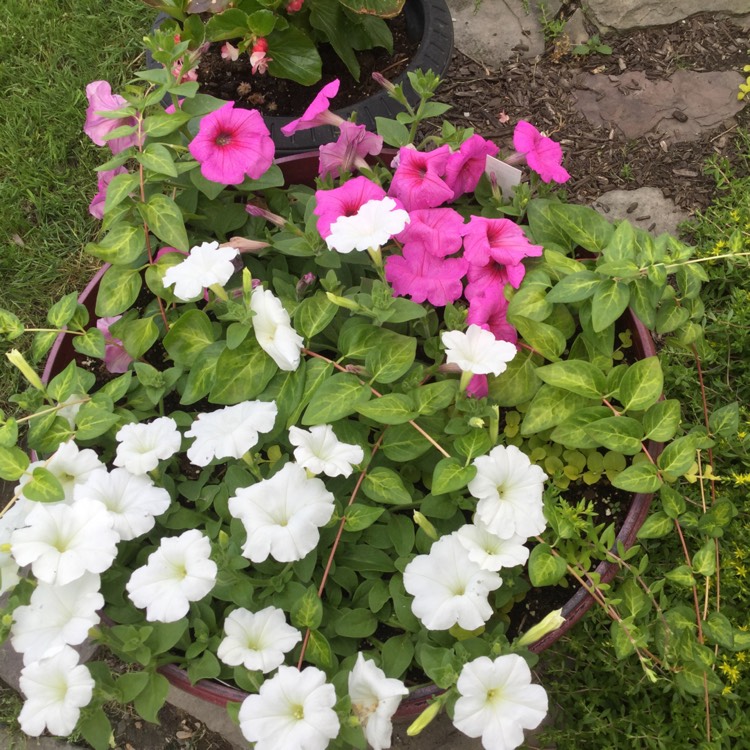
(319, 440)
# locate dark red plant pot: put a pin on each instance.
(302, 168)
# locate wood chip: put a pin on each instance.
(631, 208)
(679, 116)
(183, 735)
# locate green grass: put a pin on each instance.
(49, 51)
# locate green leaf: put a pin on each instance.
(61, 313)
(393, 408)
(582, 225)
(359, 517)
(545, 569)
(518, 383)
(230, 24)
(434, 397)
(205, 667)
(392, 132)
(189, 335)
(339, 396)
(137, 335)
(44, 487)
(719, 630)
(681, 575)
(119, 189)
(550, 407)
(392, 357)
(543, 338)
(576, 376)
(122, 245)
(160, 125)
(474, 443)
(314, 314)
(620, 434)
(157, 158)
(642, 384)
(621, 642)
(383, 485)
(609, 303)
(95, 728)
(662, 420)
(403, 443)
(657, 525)
(293, 55)
(572, 432)
(328, 17)
(8, 433)
(93, 420)
(704, 560)
(381, 8)
(672, 501)
(202, 375)
(307, 611)
(118, 290)
(574, 287)
(354, 623)
(91, 343)
(670, 316)
(319, 650)
(241, 373)
(450, 474)
(397, 654)
(130, 685)
(678, 456)
(642, 477)
(164, 219)
(694, 680)
(724, 422)
(13, 463)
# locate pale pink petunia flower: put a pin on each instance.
(349, 151)
(423, 276)
(318, 113)
(116, 359)
(418, 179)
(466, 166)
(96, 207)
(97, 127)
(543, 154)
(231, 144)
(438, 231)
(346, 200)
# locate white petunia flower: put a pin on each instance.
(229, 432)
(281, 515)
(448, 588)
(273, 330)
(132, 501)
(180, 571)
(12, 519)
(370, 228)
(320, 452)
(498, 701)
(509, 489)
(56, 616)
(69, 464)
(375, 699)
(477, 351)
(257, 640)
(293, 711)
(207, 264)
(56, 690)
(62, 542)
(143, 445)
(488, 550)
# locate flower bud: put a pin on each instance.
(245, 245)
(381, 80)
(551, 622)
(16, 358)
(349, 304)
(425, 525)
(424, 718)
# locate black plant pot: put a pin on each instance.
(426, 20)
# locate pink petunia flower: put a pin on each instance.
(96, 207)
(489, 243)
(418, 179)
(96, 127)
(466, 166)
(232, 143)
(488, 310)
(317, 113)
(349, 152)
(116, 359)
(478, 386)
(438, 231)
(543, 154)
(346, 200)
(422, 276)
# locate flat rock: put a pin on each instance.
(634, 14)
(681, 108)
(497, 30)
(646, 208)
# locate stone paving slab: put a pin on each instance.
(632, 14)
(646, 208)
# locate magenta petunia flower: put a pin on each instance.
(418, 179)
(543, 154)
(116, 359)
(346, 200)
(318, 112)
(438, 231)
(96, 207)
(232, 143)
(466, 166)
(349, 152)
(478, 386)
(96, 127)
(423, 276)
(488, 311)
(489, 243)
